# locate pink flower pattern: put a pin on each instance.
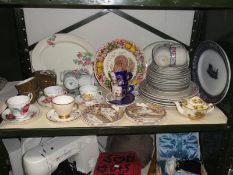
(83, 58)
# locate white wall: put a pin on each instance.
(41, 23)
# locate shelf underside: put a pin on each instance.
(125, 3)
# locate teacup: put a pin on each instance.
(27, 85)
(118, 92)
(73, 79)
(63, 105)
(170, 55)
(70, 79)
(89, 92)
(123, 77)
(19, 105)
(53, 91)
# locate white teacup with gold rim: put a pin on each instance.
(63, 105)
(194, 108)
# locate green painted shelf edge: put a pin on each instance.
(125, 3)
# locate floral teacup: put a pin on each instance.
(19, 105)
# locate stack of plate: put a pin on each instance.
(169, 79)
(165, 98)
(166, 84)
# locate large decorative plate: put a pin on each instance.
(211, 71)
(61, 52)
(116, 53)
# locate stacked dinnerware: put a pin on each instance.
(168, 80)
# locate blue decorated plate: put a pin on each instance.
(211, 71)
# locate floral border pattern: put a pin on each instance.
(109, 47)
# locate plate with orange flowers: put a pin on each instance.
(119, 54)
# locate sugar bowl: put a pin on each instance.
(194, 108)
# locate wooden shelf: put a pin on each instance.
(41, 126)
(172, 122)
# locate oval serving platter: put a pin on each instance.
(61, 52)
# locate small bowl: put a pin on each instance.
(27, 85)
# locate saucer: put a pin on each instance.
(127, 100)
(101, 115)
(45, 101)
(53, 116)
(33, 111)
(145, 113)
(98, 100)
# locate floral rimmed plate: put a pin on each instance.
(61, 52)
(116, 55)
(101, 115)
(53, 116)
(145, 112)
(8, 116)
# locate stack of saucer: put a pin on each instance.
(165, 84)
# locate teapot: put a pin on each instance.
(194, 108)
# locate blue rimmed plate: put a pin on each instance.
(211, 71)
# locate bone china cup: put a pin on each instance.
(89, 92)
(63, 105)
(19, 105)
(53, 91)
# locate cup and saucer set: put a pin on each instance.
(48, 94)
(19, 108)
(64, 109)
(121, 91)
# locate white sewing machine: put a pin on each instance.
(45, 158)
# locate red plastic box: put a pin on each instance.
(118, 163)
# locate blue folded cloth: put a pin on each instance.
(183, 146)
